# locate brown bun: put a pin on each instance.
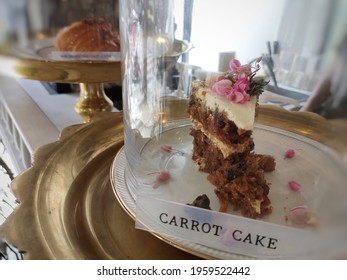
(88, 35)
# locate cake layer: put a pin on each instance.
(249, 191)
(240, 114)
(210, 158)
(218, 128)
(225, 147)
(239, 179)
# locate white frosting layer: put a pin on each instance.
(241, 114)
(224, 148)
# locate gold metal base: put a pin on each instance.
(92, 100)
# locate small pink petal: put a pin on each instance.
(241, 84)
(238, 97)
(234, 64)
(222, 87)
(244, 70)
(294, 185)
(289, 153)
(163, 176)
(166, 148)
(299, 215)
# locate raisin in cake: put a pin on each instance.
(222, 110)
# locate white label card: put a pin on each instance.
(226, 232)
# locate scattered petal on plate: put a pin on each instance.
(166, 148)
(163, 176)
(289, 153)
(301, 215)
(160, 178)
(294, 185)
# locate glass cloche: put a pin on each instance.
(207, 164)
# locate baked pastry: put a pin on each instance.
(88, 35)
(222, 110)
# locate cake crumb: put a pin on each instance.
(202, 201)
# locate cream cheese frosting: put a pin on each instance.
(241, 114)
(224, 148)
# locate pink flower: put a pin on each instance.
(238, 97)
(241, 85)
(222, 87)
(236, 83)
(234, 64)
(244, 70)
(289, 153)
(293, 185)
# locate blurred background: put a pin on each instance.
(301, 37)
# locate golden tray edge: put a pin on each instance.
(59, 215)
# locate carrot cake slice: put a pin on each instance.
(222, 110)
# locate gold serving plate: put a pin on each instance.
(67, 206)
(68, 209)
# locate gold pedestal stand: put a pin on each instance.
(90, 75)
(92, 100)
(34, 62)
